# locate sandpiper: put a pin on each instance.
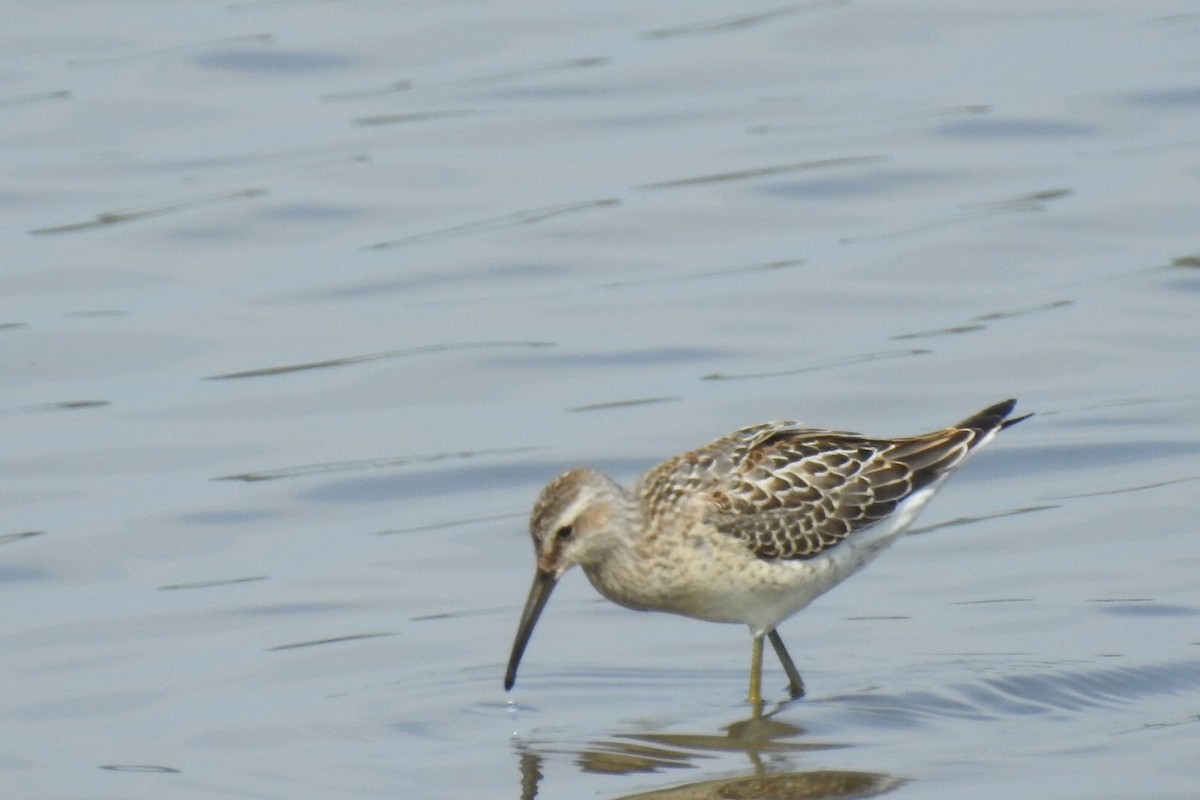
(749, 528)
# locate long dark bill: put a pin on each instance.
(539, 593)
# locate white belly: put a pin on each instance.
(717, 578)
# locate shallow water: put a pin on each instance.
(303, 302)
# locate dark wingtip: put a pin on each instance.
(994, 417)
(1008, 423)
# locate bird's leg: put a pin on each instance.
(795, 683)
(756, 651)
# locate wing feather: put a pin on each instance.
(791, 492)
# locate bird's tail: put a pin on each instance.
(993, 418)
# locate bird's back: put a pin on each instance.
(790, 492)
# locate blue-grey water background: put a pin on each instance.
(301, 302)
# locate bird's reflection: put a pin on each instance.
(767, 743)
(648, 752)
(531, 773)
(814, 785)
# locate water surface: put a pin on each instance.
(303, 301)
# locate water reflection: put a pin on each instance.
(767, 744)
(756, 736)
(107, 218)
(784, 786)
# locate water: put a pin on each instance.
(303, 301)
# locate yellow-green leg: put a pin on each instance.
(756, 653)
(795, 684)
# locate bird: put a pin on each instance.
(748, 529)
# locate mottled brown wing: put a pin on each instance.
(797, 493)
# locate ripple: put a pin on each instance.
(1013, 128)
(261, 60)
(343, 361)
(1037, 693)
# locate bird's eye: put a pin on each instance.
(564, 533)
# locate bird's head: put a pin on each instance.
(574, 521)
